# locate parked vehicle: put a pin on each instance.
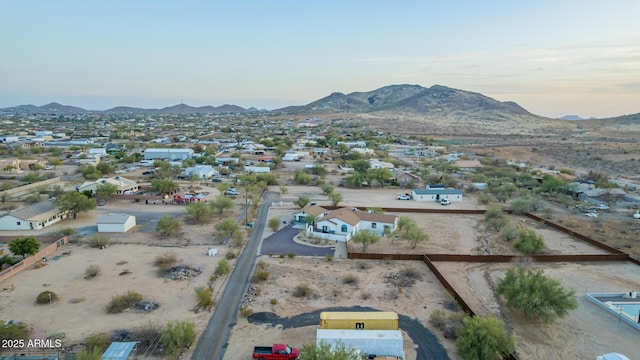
(48, 167)
(637, 214)
(403, 197)
(445, 201)
(359, 320)
(232, 191)
(591, 214)
(277, 351)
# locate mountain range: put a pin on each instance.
(436, 102)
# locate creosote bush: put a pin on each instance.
(91, 271)
(303, 290)
(46, 297)
(259, 276)
(165, 261)
(350, 280)
(205, 297)
(120, 303)
(230, 255)
(223, 268)
(246, 311)
(99, 241)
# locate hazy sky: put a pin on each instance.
(552, 57)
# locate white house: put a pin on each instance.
(257, 169)
(124, 186)
(313, 210)
(114, 222)
(437, 194)
(97, 151)
(378, 164)
(342, 224)
(168, 154)
(201, 171)
(32, 217)
(363, 151)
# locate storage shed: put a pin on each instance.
(369, 342)
(359, 320)
(113, 222)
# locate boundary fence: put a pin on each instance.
(429, 259)
(26, 262)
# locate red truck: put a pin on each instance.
(275, 352)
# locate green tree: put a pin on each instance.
(55, 162)
(24, 246)
(274, 224)
(106, 191)
(227, 227)
(356, 180)
(88, 353)
(483, 338)
(324, 351)
(536, 296)
(404, 222)
(167, 225)
(361, 166)
(335, 198)
(221, 203)
(284, 189)
(550, 184)
(177, 335)
(520, 205)
(163, 186)
(529, 242)
(301, 177)
(198, 211)
(164, 170)
(104, 168)
(381, 175)
(365, 238)
(75, 203)
(415, 235)
(90, 172)
(326, 189)
(302, 201)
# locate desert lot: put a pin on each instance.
(585, 333)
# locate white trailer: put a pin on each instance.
(369, 342)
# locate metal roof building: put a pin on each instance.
(120, 351)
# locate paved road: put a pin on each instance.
(282, 242)
(214, 339)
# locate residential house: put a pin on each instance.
(316, 211)
(436, 194)
(201, 171)
(124, 186)
(33, 217)
(226, 161)
(377, 164)
(343, 223)
(404, 178)
(97, 151)
(468, 165)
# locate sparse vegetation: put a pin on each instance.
(204, 296)
(120, 303)
(259, 276)
(350, 280)
(46, 297)
(303, 290)
(483, 338)
(177, 335)
(91, 271)
(165, 261)
(529, 242)
(223, 268)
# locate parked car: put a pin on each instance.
(216, 180)
(602, 207)
(276, 352)
(591, 214)
(48, 167)
(445, 201)
(232, 191)
(403, 197)
(101, 202)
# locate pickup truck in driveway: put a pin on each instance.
(275, 352)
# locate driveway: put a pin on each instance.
(281, 242)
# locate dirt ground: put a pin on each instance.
(585, 333)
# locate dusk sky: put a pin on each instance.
(552, 57)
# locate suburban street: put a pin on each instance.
(214, 339)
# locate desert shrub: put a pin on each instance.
(230, 255)
(91, 271)
(14, 331)
(261, 265)
(438, 319)
(9, 260)
(291, 255)
(147, 335)
(98, 241)
(205, 297)
(165, 261)
(329, 257)
(273, 301)
(46, 297)
(365, 296)
(453, 325)
(303, 290)
(120, 303)
(411, 272)
(68, 232)
(177, 336)
(350, 280)
(97, 341)
(89, 354)
(529, 242)
(223, 268)
(483, 338)
(246, 311)
(259, 276)
(121, 262)
(124, 272)
(508, 232)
